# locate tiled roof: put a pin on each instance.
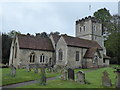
(56, 38)
(36, 43)
(78, 42)
(105, 56)
(90, 52)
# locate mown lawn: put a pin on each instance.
(0, 77)
(93, 78)
(21, 76)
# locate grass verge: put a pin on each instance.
(94, 79)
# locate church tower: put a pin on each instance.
(91, 29)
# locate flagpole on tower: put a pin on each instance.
(90, 9)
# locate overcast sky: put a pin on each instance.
(36, 17)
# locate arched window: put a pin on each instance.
(77, 55)
(84, 28)
(42, 58)
(32, 57)
(80, 29)
(50, 61)
(60, 55)
(15, 50)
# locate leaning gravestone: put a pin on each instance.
(106, 80)
(43, 77)
(64, 75)
(71, 74)
(80, 77)
(13, 71)
(118, 78)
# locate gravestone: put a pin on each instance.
(64, 75)
(80, 77)
(50, 69)
(43, 77)
(28, 67)
(118, 78)
(36, 66)
(106, 80)
(70, 74)
(13, 71)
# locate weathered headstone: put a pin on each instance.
(118, 78)
(43, 77)
(28, 67)
(80, 77)
(70, 74)
(106, 80)
(50, 69)
(36, 66)
(64, 75)
(13, 70)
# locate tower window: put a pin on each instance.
(80, 29)
(94, 28)
(84, 28)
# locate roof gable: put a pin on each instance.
(55, 38)
(91, 52)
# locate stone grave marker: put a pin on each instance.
(117, 78)
(106, 80)
(36, 66)
(28, 67)
(13, 71)
(64, 75)
(80, 77)
(43, 77)
(71, 74)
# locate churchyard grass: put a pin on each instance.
(0, 77)
(21, 76)
(93, 78)
(76, 70)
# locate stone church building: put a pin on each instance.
(85, 50)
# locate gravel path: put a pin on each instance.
(23, 83)
(32, 82)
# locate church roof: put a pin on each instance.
(105, 56)
(78, 42)
(56, 38)
(90, 52)
(35, 43)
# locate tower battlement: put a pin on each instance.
(93, 19)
